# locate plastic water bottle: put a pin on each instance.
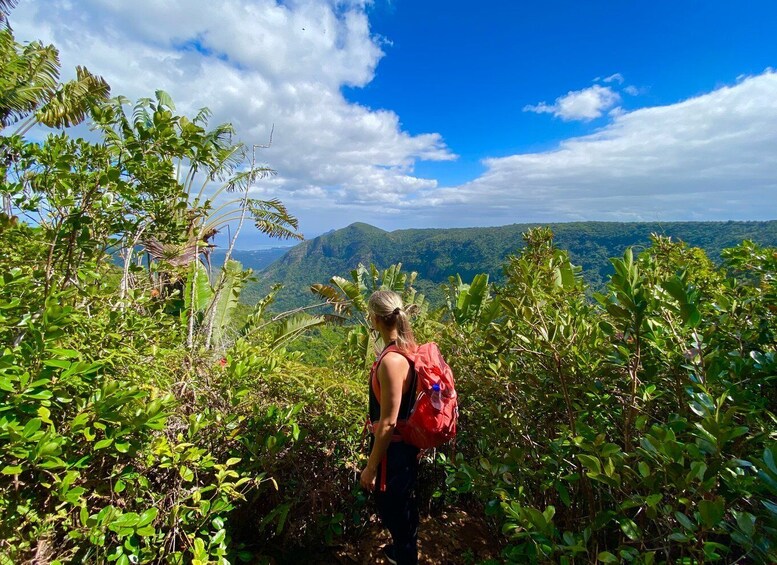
(436, 397)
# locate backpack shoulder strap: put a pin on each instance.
(376, 383)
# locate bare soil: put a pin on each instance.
(451, 538)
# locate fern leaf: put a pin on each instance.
(294, 326)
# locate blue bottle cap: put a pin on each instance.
(436, 386)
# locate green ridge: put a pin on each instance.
(437, 254)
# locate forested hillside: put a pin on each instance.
(437, 254)
(143, 421)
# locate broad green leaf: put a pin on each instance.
(103, 443)
(590, 462)
(713, 550)
(186, 474)
(197, 293)
(66, 353)
(685, 521)
(691, 315)
(230, 285)
(676, 288)
(746, 523)
(563, 493)
(712, 511)
(146, 531)
(769, 460)
(630, 528)
(58, 363)
(294, 326)
(44, 414)
(127, 520)
(219, 537)
(772, 507)
(537, 518)
(164, 99)
(199, 549)
(607, 557)
(31, 427)
(148, 516)
(609, 449)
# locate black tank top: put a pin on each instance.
(407, 398)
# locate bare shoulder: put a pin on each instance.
(395, 363)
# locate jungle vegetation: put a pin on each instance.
(437, 254)
(143, 421)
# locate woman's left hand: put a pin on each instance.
(367, 478)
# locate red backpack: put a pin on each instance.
(432, 418)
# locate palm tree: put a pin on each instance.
(180, 211)
(349, 300)
(5, 8)
(30, 91)
(29, 76)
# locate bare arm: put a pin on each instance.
(392, 372)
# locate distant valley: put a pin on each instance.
(256, 259)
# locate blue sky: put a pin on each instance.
(467, 72)
(433, 114)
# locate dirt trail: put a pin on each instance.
(453, 537)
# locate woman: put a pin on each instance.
(392, 467)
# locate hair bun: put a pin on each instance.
(396, 311)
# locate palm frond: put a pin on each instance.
(335, 319)
(71, 102)
(141, 115)
(198, 291)
(272, 218)
(178, 255)
(5, 8)
(374, 275)
(202, 116)
(353, 290)
(222, 162)
(331, 295)
(294, 326)
(360, 278)
(243, 180)
(164, 100)
(394, 279)
(30, 76)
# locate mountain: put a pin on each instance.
(437, 254)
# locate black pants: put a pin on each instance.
(398, 505)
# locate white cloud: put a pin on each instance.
(260, 62)
(585, 104)
(617, 77)
(631, 90)
(709, 157)
(256, 63)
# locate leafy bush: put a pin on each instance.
(145, 418)
(638, 428)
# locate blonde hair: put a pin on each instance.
(387, 305)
